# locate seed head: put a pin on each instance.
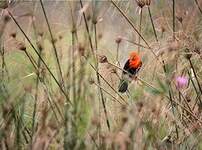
(6, 18)
(179, 18)
(102, 59)
(54, 40)
(100, 36)
(140, 3)
(39, 45)
(147, 2)
(118, 39)
(60, 37)
(81, 49)
(21, 46)
(188, 54)
(88, 17)
(40, 34)
(13, 35)
(91, 81)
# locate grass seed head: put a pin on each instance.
(140, 3)
(102, 59)
(188, 54)
(13, 35)
(60, 37)
(118, 39)
(91, 81)
(100, 36)
(6, 18)
(95, 121)
(147, 2)
(88, 17)
(81, 49)
(21, 46)
(39, 45)
(41, 33)
(179, 18)
(54, 40)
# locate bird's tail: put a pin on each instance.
(123, 86)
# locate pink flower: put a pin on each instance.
(181, 82)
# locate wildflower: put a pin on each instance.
(181, 82)
(131, 68)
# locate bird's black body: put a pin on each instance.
(128, 70)
(127, 75)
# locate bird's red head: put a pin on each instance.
(135, 60)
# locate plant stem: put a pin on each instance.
(174, 19)
(53, 43)
(140, 29)
(196, 1)
(152, 22)
(199, 86)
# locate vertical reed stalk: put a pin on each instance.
(117, 52)
(174, 20)
(152, 22)
(98, 80)
(37, 84)
(96, 62)
(170, 92)
(197, 80)
(54, 46)
(140, 30)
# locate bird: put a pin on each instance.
(130, 69)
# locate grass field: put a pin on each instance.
(62, 62)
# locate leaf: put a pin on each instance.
(163, 86)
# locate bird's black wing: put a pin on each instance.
(126, 67)
(129, 70)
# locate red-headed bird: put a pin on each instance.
(130, 69)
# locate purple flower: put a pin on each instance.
(181, 82)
